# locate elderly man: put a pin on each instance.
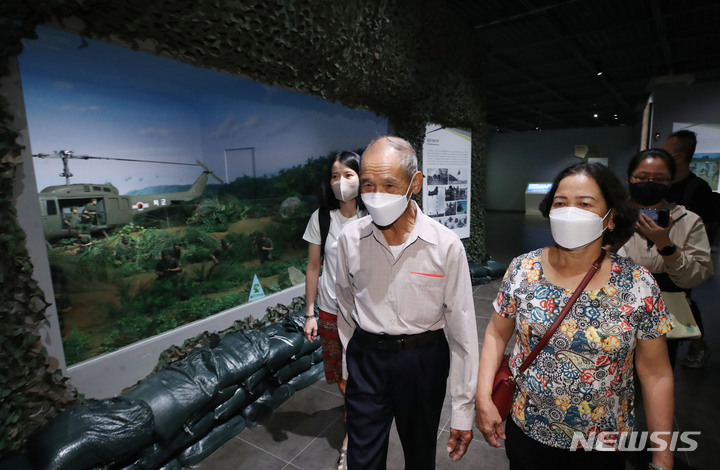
(401, 279)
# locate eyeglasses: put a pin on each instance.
(644, 179)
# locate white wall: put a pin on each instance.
(515, 159)
(25, 194)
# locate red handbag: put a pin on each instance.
(503, 389)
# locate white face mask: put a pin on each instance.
(345, 190)
(385, 208)
(573, 228)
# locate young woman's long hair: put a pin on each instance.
(326, 197)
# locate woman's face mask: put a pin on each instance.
(345, 190)
(344, 182)
(386, 208)
(648, 193)
(573, 227)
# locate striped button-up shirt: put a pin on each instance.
(426, 288)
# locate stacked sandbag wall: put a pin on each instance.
(181, 414)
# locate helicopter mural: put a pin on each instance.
(70, 209)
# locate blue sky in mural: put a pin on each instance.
(108, 101)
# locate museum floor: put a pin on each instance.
(306, 431)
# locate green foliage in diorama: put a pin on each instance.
(76, 347)
(413, 66)
(167, 304)
(215, 215)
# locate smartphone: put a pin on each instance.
(661, 217)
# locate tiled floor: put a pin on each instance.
(307, 430)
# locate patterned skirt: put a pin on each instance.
(331, 346)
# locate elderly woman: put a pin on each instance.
(676, 252)
(581, 383)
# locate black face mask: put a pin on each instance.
(648, 193)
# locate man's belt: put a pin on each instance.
(396, 343)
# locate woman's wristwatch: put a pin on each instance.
(667, 250)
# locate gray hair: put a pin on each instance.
(408, 158)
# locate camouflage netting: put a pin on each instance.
(410, 61)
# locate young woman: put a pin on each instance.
(676, 251)
(340, 202)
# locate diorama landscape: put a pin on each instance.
(109, 294)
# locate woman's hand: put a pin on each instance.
(342, 385)
(653, 232)
(311, 327)
(487, 418)
(488, 421)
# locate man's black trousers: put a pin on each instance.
(403, 378)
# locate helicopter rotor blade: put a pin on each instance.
(208, 170)
(65, 155)
(69, 154)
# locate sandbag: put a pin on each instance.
(293, 369)
(257, 383)
(222, 396)
(177, 392)
(16, 462)
(307, 378)
(317, 356)
(232, 406)
(172, 465)
(307, 348)
(495, 268)
(88, 435)
(239, 355)
(212, 442)
(284, 344)
(269, 401)
(295, 321)
(157, 455)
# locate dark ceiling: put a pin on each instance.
(557, 64)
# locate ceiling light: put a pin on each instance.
(595, 115)
(599, 73)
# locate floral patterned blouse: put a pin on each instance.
(583, 379)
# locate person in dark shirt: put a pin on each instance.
(90, 213)
(177, 253)
(695, 194)
(221, 253)
(688, 189)
(72, 220)
(167, 267)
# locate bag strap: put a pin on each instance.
(324, 218)
(559, 319)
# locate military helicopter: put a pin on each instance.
(70, 209)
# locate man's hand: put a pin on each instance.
(458, 443)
